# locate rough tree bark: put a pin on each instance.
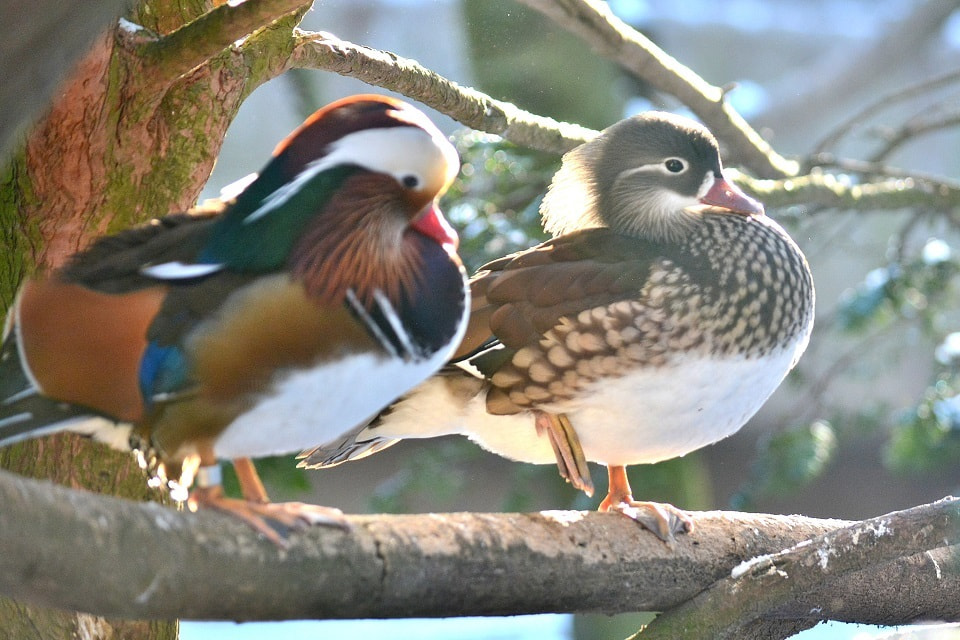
(38, 49)
(133, 134)
(209, 566)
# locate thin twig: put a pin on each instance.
(810, 405)
(611, 37)
(913, 130)
(909, 93)
(872, 169)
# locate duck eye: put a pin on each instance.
(410, 181)
(674, 165)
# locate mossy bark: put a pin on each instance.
(121, 143)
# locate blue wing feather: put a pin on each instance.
(164, 370)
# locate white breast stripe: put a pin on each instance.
(276, 199)
(15, 419)
(370, 323)
(398, 329)
(20, 395)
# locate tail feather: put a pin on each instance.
(348, 449)
(434, 408)
(24, 413)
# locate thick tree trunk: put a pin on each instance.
(57, 186)
(133, 134)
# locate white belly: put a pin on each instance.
(647, 417)
(643, 417)
(310, 407)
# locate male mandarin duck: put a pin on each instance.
(661, 316)
(274, 321)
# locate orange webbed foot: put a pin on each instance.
(663, 520)
(273, 520)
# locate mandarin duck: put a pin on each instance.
(273, 321)
(658, 319)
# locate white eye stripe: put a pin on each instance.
(659, 167)
(403, 152)
(644, 168)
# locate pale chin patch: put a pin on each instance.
(660, 215)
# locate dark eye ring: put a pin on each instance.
(674, 166)
(410, 181)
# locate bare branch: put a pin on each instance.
(841, 78)
(195, 43)
(481, 112)
(828, 190)
(595, 23)
(874, 169)
(468, 106)
(913, 129)
(758, 588)
(909, 93)
(208, 566)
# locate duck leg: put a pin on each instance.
(566, 446)
(273, 520)
(663, 520)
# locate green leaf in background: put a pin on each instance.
(928, 437)
(870, 301)
(434, 472)
(787, 461)
(494, 203)
(284, 481)
(913, 289)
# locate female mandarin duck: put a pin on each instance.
(659, 319)
(270, 323)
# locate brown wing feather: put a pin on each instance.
(530, 300)
(519, 298)
(112, 264)
(84, 329)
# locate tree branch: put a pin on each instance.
(468, 106)
(837, 81)
(171, 56)
(827, 190)
(833, 138)
(914, 129)
(208, 566)
(759, 587)
(595, 23)
(479, 111)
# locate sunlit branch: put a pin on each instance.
(595, 23)
(468, 106)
